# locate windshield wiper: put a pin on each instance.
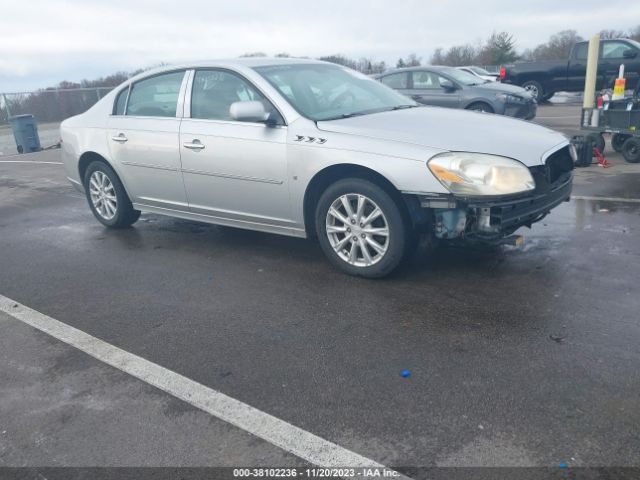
(402, 107)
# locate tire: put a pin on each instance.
(547, 96)
(617, 140)
(480, 107)
(535, 88)
(107, 197)
(596, 140)
(338, 243)
(631, 150)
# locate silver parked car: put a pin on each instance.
(311, 149)
(480, 73)
(454, 88)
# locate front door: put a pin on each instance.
(233, 170)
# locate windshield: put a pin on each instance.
(328, 92)
(462, 77)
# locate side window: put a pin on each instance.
(156, 96)
(214, 91)
(614, 49)
(395, 80)
(121, 100)
(425, 81)
(581, 51)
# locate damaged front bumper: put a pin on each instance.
(492, 219)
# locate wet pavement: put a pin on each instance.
(517, 356)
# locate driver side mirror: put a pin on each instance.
(248, 111)
(448, 85)
(629, 53)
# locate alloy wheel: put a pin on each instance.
(103, 195)
(357, 229)
(533, 90)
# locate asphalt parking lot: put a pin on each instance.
(523, 356)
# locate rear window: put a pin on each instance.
(156, 96)
(581, 51)
(396, 80)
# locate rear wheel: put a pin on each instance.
(617, 140)
(480, 107)
(107, 197)
(361, 228)
(631, 150)
(535, 89)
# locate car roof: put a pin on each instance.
(435, 68)
(232, 63)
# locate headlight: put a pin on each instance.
(507, 97)
(480, 174)
(573, 152)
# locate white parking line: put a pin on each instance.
(606, 199)
(290, 438)
(29, 161)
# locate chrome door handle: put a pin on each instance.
(194, 145)
(119, 138)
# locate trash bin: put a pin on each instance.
(25, 132)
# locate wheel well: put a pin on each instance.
(329, 175)
(479, 102)
(86, 159)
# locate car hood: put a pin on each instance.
(497, 87)
(455, 130)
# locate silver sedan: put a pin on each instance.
(311, 149)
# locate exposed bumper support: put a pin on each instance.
(477, 218)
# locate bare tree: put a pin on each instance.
(340, 60)
(412, 60)
(558, 47)
(634, 34)
(609, 34)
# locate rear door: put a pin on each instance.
(426, 88)
(398, 81)
(143, 137)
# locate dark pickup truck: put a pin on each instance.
(545, 78)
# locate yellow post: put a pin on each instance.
(592, 70)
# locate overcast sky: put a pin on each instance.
(45, 41)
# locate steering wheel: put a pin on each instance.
(340, 100)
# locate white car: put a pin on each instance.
(311, 149)
(480, 73)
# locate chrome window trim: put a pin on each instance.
(187, 113)
(182, 95)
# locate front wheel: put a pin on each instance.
(107, 197)
(361, 228)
